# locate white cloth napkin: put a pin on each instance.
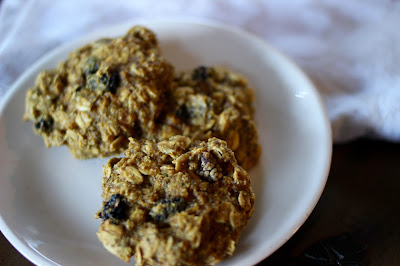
(351, 49)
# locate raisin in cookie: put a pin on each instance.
(213, 102)
(175, 202)
(104, 93)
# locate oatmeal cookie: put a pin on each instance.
(104, 93)
(176, 202)
(213, 102)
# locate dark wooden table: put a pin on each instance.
(361, 198)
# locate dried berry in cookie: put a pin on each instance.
(115, 208)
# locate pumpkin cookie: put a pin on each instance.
(104, 93)
(176, 202)
(213, 102)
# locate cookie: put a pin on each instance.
(175, 202)
(104, 93)
(213, 102)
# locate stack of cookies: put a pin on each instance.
(181, 194)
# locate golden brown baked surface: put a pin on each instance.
(175, 202)
(113, 89)
(104, 93)
(213, 102)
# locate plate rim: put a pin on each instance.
(35, 256)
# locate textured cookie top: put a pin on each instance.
(104, 93)
(175, 202)
(213, 102)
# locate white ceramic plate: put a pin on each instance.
(48, 199)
